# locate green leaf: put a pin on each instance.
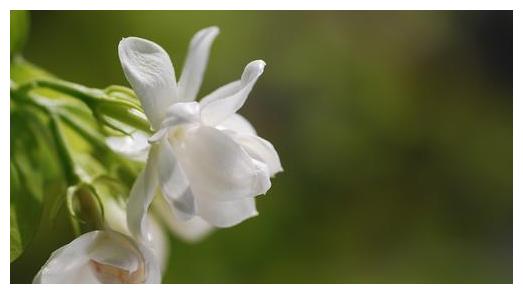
(16, 238)
(22, 71)
(28, 161)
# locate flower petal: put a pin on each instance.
(192, 230)
(225, 214)
(134, 146)
(115, 219)
(218, 168)
(172, 178)
(102, 250)
(159, 243)
(195, 63)
(100, 257)
(150, 72)
(173, 182)
(237, 123)
(260, 149)
(182, 113)
(117, 258)
(68, 263)
(177, 114)
(141, 195)
(225, 101)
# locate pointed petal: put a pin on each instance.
(225, 101)
(141, 195)
(218, 168)
(225, 214)
(134, 146)
(237, 123)
(150, 72)
(195, 63)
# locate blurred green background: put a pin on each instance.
(394, 130)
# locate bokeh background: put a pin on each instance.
(394, 130)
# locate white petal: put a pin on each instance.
(237, 123)
(115, 219)
(195, 63)
(110, 248)
(263, 181)
(260, 149)
(141, 195)
(172, 178)
(115, 215)
(69, 264)
(217, 167)
(225, 101)
(173, 182)
(117, 258)
(134, 146)
(100, 257)
(192, 230)
(153, 268)
(159, 242)
(182, 113)
(150, 72)
(177, 114)
(224, 214)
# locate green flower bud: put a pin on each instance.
(85, 208)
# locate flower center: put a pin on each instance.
(177, 133)
(109, 274)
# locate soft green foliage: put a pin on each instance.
(19, 23)
(31, 162)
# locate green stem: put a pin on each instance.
(63, 150)
(119, 107)
(86, 95)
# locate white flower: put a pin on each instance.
(100, 257)
(206, 159)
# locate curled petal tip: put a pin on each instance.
(253, 70)
(213, 29)
(139, 45)
(260, 64)
(208, 33)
